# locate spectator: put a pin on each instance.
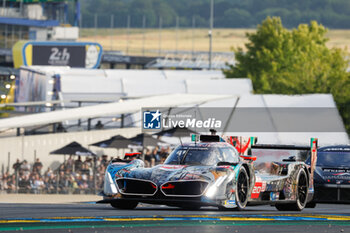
(24, 184)
(148, 158)
(155, 155)
(88, 162)
(85, 169)
(63, 183)
(91, 183)
(78, 164)
(62, 168)
(24, 168)
(51, 184)
(17, 165)
(99, 125)
(3, 181)
(37, 166)
(37, 184)
(48, 172)
(104, 160)
(11, 183)
(163, 154)
(69, 163)
(61, 180)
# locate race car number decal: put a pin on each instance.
(258, 188)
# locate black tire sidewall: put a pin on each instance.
(301, 206)
(240, 205)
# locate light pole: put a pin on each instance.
(177, 34)
(127, 34)
(160, 36)
(95, 24)
(193, 28)
(210, 33)
(143, 34)
(112, 26)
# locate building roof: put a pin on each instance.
(28, 22)
(109, 109)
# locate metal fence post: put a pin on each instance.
(8, 161)
(57, 181)
(16, 174)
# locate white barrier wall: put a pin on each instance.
(83, 84)
(27, 147)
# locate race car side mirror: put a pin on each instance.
(252, 158)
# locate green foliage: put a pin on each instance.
(228, 13)
(6, 109)
(297, 61)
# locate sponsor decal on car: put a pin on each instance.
(342, 174)
(336, 170)
(263, 186)
(119, 163)
(172, 167)
(230, 203)
(257, 189)
(274, 196)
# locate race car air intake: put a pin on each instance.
(129, 186)
(189, 188)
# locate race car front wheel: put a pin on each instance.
(124, 205)
(242, 189)
(301, 194)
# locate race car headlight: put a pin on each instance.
(109, 187)
(213, 189)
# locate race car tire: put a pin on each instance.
(125, 205)
(242, 187)
(302, 191)
(310, 205)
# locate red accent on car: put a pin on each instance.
(154, 186)
(168, 186)
(256, 190)
(253, 158)
(132, 154)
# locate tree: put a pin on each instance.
(280, 61)
(237, 18)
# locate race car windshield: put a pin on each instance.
(332, 159)
(205, 156)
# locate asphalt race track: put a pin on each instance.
(90, 217)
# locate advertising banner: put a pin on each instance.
(57, 53)
(46, 55)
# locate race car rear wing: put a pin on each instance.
(247, 146)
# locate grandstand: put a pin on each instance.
(34, 20)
